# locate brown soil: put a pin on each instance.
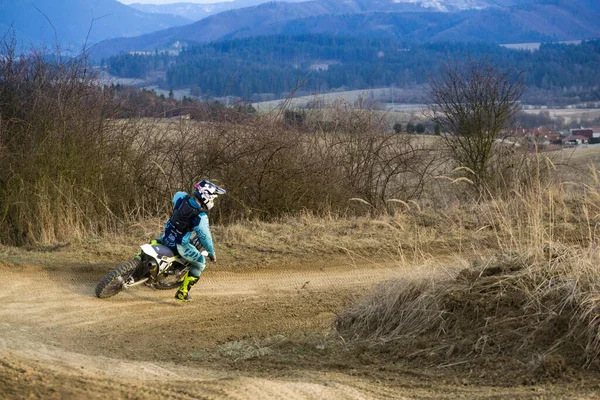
(263, 333)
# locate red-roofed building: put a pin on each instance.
(587, 132)
(596, 131)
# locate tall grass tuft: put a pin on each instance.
(537, 295)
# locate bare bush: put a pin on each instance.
(272, 168)
(475, 104)
(375, 165)
(268, 170)
(378, 167)
(62, 172)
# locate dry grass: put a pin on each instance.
(537, 296)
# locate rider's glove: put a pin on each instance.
(212, 257)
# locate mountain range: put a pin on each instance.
(198, 11)
(75, 22)
(494, 21)
(113, 27)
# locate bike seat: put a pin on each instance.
(163, 250)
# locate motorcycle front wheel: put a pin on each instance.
(112, 283)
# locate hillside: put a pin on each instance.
(198, 11)
(73, 22)
(500, 22)
(542, 21)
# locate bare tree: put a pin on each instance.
(474, 103)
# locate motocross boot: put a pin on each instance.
(187, 281)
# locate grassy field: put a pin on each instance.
(570, 115)
(355, 97)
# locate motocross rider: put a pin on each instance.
(190, 214)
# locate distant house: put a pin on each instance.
(541, 136)
(595, 131)
(555, 138)
(586, 132)
(576, 139)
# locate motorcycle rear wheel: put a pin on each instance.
(112, 283)
(167, 281)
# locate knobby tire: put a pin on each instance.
(110, 285)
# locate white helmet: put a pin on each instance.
(206, 192)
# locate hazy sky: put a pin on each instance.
(172, 1)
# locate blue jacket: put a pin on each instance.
(200, 225)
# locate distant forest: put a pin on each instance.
(273, 66)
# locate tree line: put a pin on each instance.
(279, 64)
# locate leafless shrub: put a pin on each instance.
(381, 166)
(475, 104)
(375, 165)
(267, 169)
(62, 172)
(272, 168)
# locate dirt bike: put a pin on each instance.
(155, 266)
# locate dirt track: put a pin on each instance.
(58, 341)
